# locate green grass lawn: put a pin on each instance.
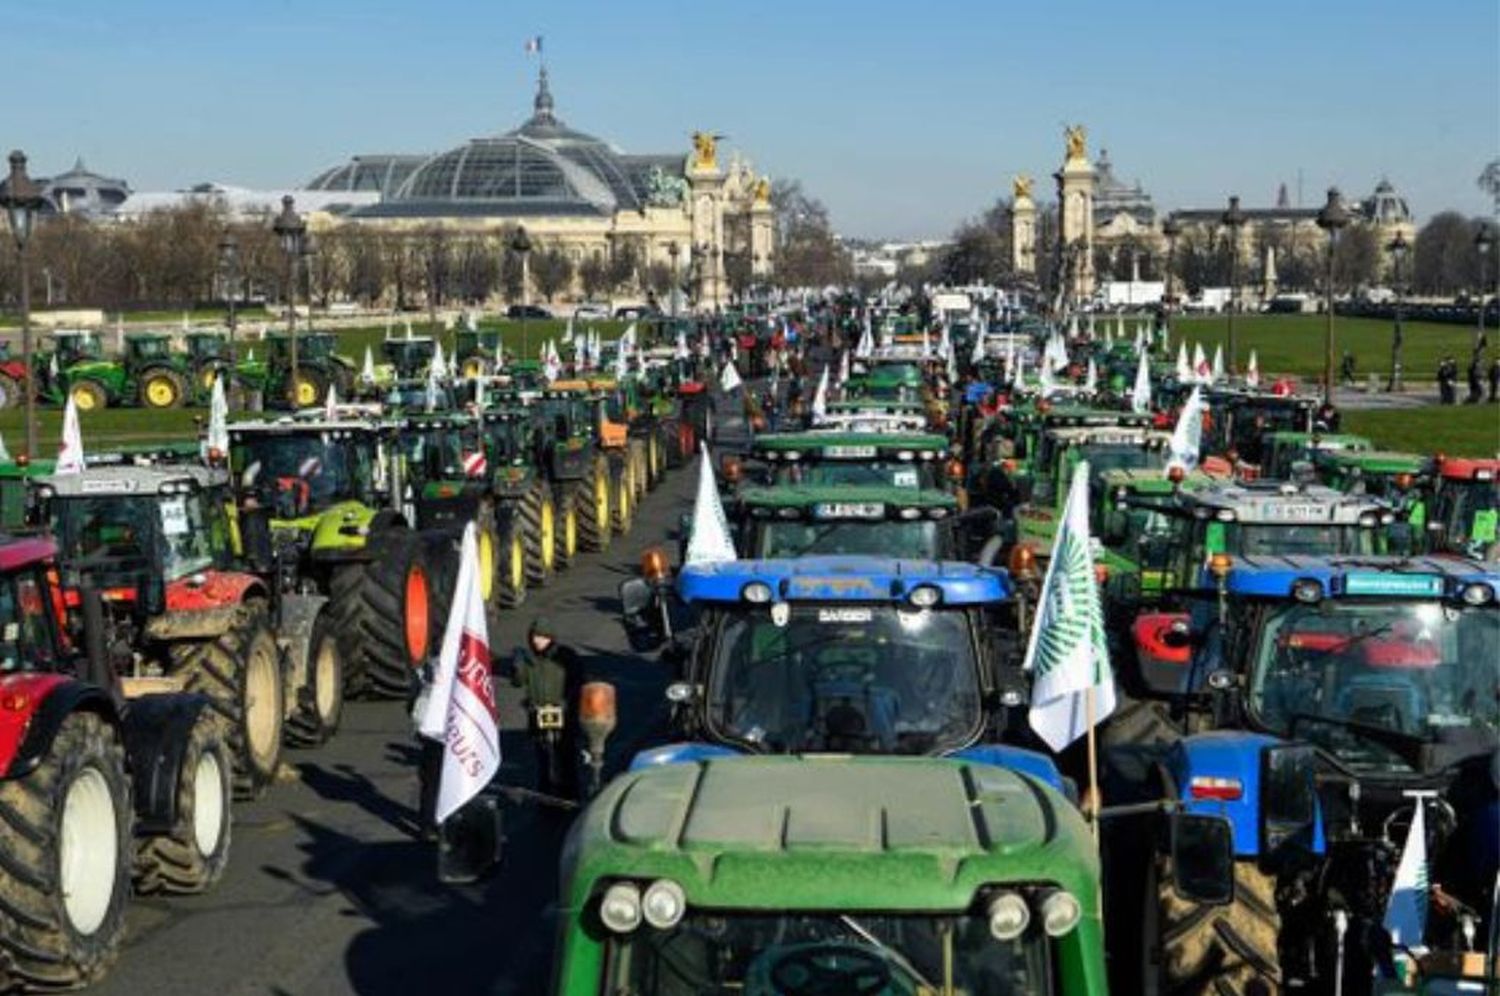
(521, 341)
(100, 430)
(1457, 430)
(1293, 344)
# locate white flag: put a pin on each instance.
(729, 379)
(1216, 372)
(217, 438)
(1091, 377)
(976, 355)
(866, 345)
(1252, 372)
(5, 456)
(70, 453)
(1201, 369)
(681, 350)
(1406, 910)
(1067, 652)
(460, 710)
(331, 406)
(567, 337)
(1140, 394)
(439, 366)
(844, 368)
(1187, 437)
(1184, 369)
(708, 537)
(367, 372)
(1119, 325)
(820, 397)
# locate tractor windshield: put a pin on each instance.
(1313, 539)
(433, 454)
(136, 532)
(1417, 668)
(788, 539)
(315, 469)
(883, 474)
(846, 678)
(802, 954)
(26, 634)
(1469, 511)
(150, 349)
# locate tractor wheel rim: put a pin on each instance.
(570, 531)
(326, 679)
(160, 392)
(486, 564)
(88, 851)
(549, 535)
(517, 563)
(262, 710)
(209, 803)
(307, 392)
(601, 502)
(416, 614)
(84, 400)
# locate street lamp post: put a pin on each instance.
(229, 256)
(1483, 241)
(1332, 218)
(22, 201)
(673, 251)
(1397, 248)
(291, 230)
(520, 244)
(1170, 229)
(1233, 219)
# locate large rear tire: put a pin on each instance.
(382, 613)
(622, 497)
(1198, 950)
(162, 388)
(64, 869)
(320, 702)
(193, 856)
(89, 396)
(567, 529)
(640, 470)
(240, 672)
(592, 498)
(539, 528)
(510, 564)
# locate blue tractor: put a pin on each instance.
(1327, 698)
(841, 655)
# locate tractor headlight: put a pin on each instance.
(1060, 912)
(1307, 590)
(620, 909)
(1009, 916)
(663, 904)
(1477, 593)
(1225, 515)
(756, 593)
(925, 596)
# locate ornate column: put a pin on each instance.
(706, 190)
(1022, 227)
(1075, 196)
(762, 229)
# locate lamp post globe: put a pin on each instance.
(1333, 217)
(23, 201)
(1233, 219)
(1397, 247)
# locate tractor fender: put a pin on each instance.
(32, 709)
(156, 732)
(213, 590)
(387, 519)
(343, 528)
(1020, 760)
(679, 753)
(1218, 773)
(297, 616)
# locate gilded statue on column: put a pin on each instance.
(1077, 140)
(1021, 188)
(705, 151)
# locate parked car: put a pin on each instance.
(635, 312)
(527, 311)
(595, 310)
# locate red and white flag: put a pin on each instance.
(460, 711)
(70, 453)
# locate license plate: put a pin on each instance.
(850, 510)
(850, 452)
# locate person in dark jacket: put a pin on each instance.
(550, 676)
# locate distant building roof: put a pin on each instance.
(84, 192)
(242, 203)
(1112, 196)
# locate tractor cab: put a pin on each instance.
(298, 469)
(142, 348)
(476, 351)
(1465, 508)
(820, 459)
(669, 877)
(789, 521)
(409, 358)
(419, 395)
(1244, 420)
(1290, 455)
(73, 346)
(204, 345)
(842, 655)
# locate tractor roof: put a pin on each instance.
(131, 480)
(1282, 502)
(1106, 435)
(1063, 416)
(844, 578)
(885, 833)
(1376, 461)
(1385, 576)
(287, 426)
(832, 445)
(17, 553)
(1469, 469)
(846, 501)
(1151, 481)
(1322, 440)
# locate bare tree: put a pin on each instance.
(594, 276)
(551, 271)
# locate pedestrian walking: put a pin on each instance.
(1476, 390)
(1346, 368)
(1494, 378)
(1446, 373)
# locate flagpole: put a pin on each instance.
(1091, 804)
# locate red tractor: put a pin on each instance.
(156, 543)
(96, 787)
(1465, 508)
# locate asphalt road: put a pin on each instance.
(331, 891)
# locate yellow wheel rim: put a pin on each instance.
(601, 502)
(307, 392)
(160, 392)
(549, 535)
(473, 368)
(570, 532)
(517, 563)
(208, 378)
(84, 400)
(486, 564)
(625, 498)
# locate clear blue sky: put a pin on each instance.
(903, 117)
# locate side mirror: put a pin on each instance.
(641, 614)
(470, 841)
(1202, 858)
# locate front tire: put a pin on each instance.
(320, 702)
(162, 389)
(510, 564)
(193, 856)
(382, 613)
(89, 396)
(64, 873)
(1198, 950)
(567, 530)
(592, 498)
(622, 495)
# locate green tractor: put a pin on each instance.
(477, 351)
(409, 358)
(322, 501)
(569, 453)
(207, 358)
(149, 374)
(319, 365)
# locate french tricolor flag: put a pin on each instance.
(534, 45)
